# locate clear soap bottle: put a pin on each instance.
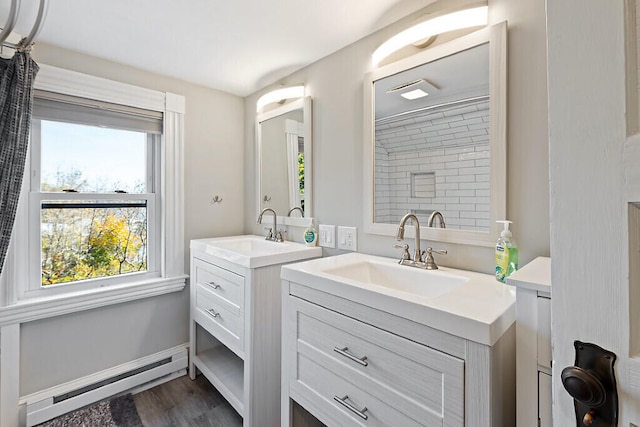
(506, 253)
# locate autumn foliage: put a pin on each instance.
(80, 243)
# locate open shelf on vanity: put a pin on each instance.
(222, 367)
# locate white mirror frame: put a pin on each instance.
(305, 105)
(496, 35)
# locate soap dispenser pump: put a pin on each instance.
(506, 253)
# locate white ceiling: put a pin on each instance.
(238, 46)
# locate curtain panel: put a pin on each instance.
(17, 76)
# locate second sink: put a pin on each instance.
(428, 284)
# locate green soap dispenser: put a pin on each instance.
(506, 253)
(310, 235)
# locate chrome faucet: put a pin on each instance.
(429, 262)
(273, 235)
(417, 258)
(433, 216)
(296, 208)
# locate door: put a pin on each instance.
(594, 181)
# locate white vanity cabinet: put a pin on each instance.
(533, 343)
(349, 361)
(235, 324)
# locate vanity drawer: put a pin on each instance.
(223, 283)
(326, 389)
(423, 383)
(221, 319)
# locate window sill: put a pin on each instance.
(42, 308)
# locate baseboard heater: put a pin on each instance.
(134, 376)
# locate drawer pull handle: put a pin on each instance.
(213, 313)
(213, 285)
(349, 406)
(343, 351)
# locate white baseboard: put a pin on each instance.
(55, 401)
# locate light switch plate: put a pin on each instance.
(348, 238)
(327, 236)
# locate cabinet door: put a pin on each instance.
(544, 400)
(544, 331)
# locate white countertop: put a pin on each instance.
(481, 309)
(535, 276)
(254, 251)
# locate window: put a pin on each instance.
(94, 176)
(105, 232)
(97, 233)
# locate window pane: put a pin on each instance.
(92, 159)
(80, 241)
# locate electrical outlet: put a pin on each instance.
(348, 238)
(327, 236)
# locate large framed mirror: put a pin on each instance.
(284, 161)
(435, 140)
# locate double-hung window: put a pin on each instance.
(101, 214)
(93, 196)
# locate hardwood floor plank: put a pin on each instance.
(182, 402)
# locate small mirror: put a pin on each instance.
(436, 139)
(284, 160)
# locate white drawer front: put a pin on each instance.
(219, 320)
(223, 283)
(423, 384)
(326, 388)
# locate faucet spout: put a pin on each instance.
(400, 236)
(432, 218)
(275, 220)
(296, 208)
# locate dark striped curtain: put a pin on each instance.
(17, 76)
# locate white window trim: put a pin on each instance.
(172, 276)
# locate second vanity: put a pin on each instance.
(235, 320)
(369, 342)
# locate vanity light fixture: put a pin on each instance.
(279, 95)
(477, 16)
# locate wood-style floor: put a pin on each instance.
(185, 403)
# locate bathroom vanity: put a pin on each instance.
(235, 320)
(533, 342)
(369, 342)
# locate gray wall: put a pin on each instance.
(336, 85)
(57, 350)
(67, 347)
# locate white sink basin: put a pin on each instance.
(463, 303)
(402, 278)
(254, 251)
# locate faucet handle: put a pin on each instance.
(430, 263)
(279, 237)
(269, 235)
(406, 256)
